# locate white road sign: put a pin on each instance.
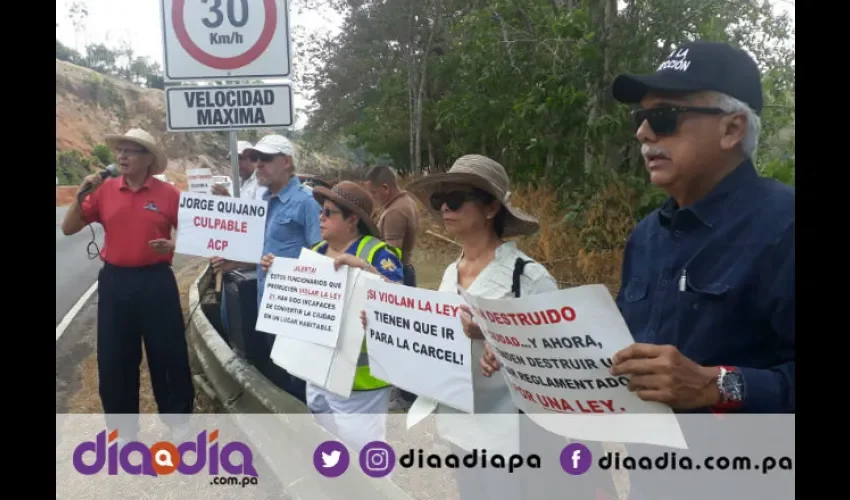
(234, 107)
(225, 39)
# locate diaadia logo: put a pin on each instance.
(163, 458)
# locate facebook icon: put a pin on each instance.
(576, 459)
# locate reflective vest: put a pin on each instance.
(363, 379)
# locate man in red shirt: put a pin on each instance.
(137, 292)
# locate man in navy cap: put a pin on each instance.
(708, 279)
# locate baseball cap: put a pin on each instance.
(273, 145)
(696, 67)
(241, 146)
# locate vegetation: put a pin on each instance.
(527, 82)
(72, 166)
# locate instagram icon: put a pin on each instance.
(377, 459)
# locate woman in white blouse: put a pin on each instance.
(472, 201)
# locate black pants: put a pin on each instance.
(134, 305)
(409, 275)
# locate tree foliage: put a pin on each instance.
(526, 82)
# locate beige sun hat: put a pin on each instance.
(485, 174)
(144, 139)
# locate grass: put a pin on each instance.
(87, 399)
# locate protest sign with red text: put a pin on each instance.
(556, 350)
(217, 226)
(415, 341)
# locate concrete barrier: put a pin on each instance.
(285, 441)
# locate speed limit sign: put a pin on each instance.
(225, 39)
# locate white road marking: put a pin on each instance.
(60, 329)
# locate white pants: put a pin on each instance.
(358, 420)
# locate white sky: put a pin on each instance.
(138, 22)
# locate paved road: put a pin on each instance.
(75, 272)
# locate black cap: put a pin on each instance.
(696, 67)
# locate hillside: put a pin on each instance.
(90, 105)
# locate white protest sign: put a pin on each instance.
(415, 341)
(216, 226)
(556, 350)
(228, 108)
(303, 301)
(199, 180)
(327, 367)
(226, 40)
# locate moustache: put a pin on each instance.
(648, 150)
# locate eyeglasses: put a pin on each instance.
(665, 120)
(256, 156)
(453, 199)
(327, 212)
(130, 151)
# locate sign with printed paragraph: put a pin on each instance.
(416, 342)
(303, 301)
(216, 226)
(226, 39)
(199, 180)
(228, 108)
(556, 349)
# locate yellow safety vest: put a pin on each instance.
(363, 379)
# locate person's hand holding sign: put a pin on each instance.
(470, 328)
(162, 246)
(489, 363)
(266, 262)
(220, 190)
(663, 374)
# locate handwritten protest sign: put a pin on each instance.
(214, 226)
(199, 180)
(303, 301)
(412, 332)
(556, 350)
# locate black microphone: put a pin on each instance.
(110, 171)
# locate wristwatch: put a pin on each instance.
(730, 382)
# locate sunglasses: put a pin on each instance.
(256, 156)
(665, 120)
(327, 212)
(453, 199)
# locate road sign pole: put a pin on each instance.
(234, 163)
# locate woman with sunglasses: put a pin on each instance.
(472, 201)
(351, 238)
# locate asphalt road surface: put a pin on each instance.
(75, 272)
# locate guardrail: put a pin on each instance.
(243, 389)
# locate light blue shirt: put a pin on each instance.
(292, 223)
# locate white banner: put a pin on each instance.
(216, 226)
(416, 342)
(303, 301)
(556, 350)
(199, 180)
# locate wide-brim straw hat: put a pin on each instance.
(485, 174)
(352, 197)
(144, 139)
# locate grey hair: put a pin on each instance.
(731, 105)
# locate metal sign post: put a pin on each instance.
(234, 164)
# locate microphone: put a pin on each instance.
(110, 171)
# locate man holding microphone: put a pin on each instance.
(138, 299)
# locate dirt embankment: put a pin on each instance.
(90, 105)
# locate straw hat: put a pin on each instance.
(144, 139)
(352, 197)
(482, 173)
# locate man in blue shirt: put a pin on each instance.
(293, 214)
(708, 279)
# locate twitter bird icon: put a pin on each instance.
(331, 459)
